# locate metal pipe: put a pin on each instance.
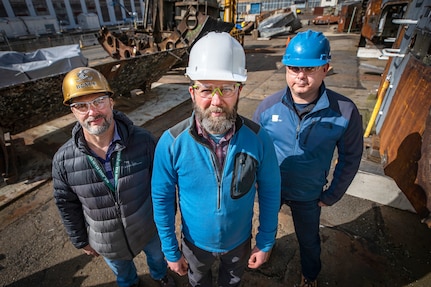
(145, 16)
(351, 20)
(377, 106)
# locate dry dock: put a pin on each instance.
(370, 238)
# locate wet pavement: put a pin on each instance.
(372, 237)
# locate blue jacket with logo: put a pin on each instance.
(216, 206)
(305, 148)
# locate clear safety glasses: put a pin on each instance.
(305, 70)
(83, 107)
(207, 92)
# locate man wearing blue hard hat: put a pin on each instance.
(307, 123)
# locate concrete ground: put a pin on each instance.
(372, 237)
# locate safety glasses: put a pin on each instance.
(83, 107)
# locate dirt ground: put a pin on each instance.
(363, 243)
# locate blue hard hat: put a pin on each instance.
(307, 49)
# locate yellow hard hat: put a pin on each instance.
(83, 81)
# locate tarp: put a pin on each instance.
(276, 20)
(18, 67)
(279, 24)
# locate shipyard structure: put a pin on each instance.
(43, 17)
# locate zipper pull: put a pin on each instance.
(297, 130)
(117, 208)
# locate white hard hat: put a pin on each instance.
(219, 57)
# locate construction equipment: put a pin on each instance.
(230, 16)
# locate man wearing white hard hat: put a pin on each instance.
(214, 164)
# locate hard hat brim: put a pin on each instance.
(304, 62)
(216, 76)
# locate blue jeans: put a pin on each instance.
(306, 219)
(125, 270)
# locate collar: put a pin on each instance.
(321, 102)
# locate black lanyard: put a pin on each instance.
(102, 174)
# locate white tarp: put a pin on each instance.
(278, 24)
(18, 67)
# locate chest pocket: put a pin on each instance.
(319, 135)
(244, 175)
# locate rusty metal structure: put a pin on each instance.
(350, 18)
(143, 39)
(402, 112)
(32, 103)
(378, 15)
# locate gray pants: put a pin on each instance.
(231, 268)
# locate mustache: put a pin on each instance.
(216, 110)
(90, 119)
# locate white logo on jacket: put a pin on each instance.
(276, 118)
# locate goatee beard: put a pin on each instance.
(97, 130)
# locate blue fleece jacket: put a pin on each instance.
(216, 206)
(305, 147)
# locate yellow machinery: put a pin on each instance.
(230, 16)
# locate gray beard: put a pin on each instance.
(97, 130)
(218, 125)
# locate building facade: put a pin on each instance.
(109, 12)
